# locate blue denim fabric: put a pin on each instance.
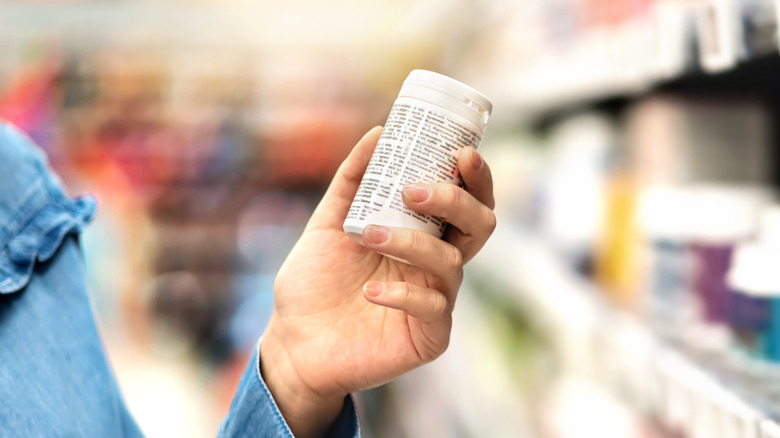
(255, 413)
(55, 379)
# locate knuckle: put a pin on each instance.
(456, 259)
(401, 238)
(404, 291)
(458, 196)
(439, 305)
(490, 220)
(450, 195)
(414, 241)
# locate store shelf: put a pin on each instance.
(580, 60)
(696, 392)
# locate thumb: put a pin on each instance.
(334, 206)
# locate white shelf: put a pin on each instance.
(629, 58)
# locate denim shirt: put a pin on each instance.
(55, 379)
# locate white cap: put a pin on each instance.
(754, 270)
(665, 212)
(450, 94)
(726, 213)
(769, 233)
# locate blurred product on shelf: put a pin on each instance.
(759, 26)
(617, 252)
(665, 222)
(756, 309)
(756, 303)
(733, 31)
(724, 217)
(673, 140)
(581, 150)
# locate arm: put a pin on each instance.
(347, 318)
(54, 377)
(330, 334)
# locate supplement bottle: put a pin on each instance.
(433, 118)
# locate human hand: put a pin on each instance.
(347, 318)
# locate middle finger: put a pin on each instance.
(419, 249)
(453, 204)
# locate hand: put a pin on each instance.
(347, 318)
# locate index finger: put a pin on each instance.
(476, 175)
(333, 207)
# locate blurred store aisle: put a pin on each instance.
(207, 131)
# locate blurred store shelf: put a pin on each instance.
(553, 56)
(210, 128)
(690, 391)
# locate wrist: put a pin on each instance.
(306, 410)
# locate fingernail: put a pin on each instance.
(476, 159)
(417, 192)
(373, 288)
(377, 234)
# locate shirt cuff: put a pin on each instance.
(254, 411)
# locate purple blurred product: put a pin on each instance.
(751, 320)
(725, 217)
(712, 264)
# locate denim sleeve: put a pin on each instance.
(255, 413)
(54, 377)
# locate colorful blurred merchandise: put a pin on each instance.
(202, 188)
(29, 100)
(647, 305)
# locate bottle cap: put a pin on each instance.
(754, 270)
(769, 232)
(665, 213)
(450, 94)
(724, 214)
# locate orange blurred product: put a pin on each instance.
(616, 264)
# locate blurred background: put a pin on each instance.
(630, 289)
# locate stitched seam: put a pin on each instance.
(27, 220)
(13, 279)
(275, 411)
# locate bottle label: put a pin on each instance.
(420, 143)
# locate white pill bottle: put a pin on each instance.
(433, 118)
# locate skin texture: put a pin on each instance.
(347, 318)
